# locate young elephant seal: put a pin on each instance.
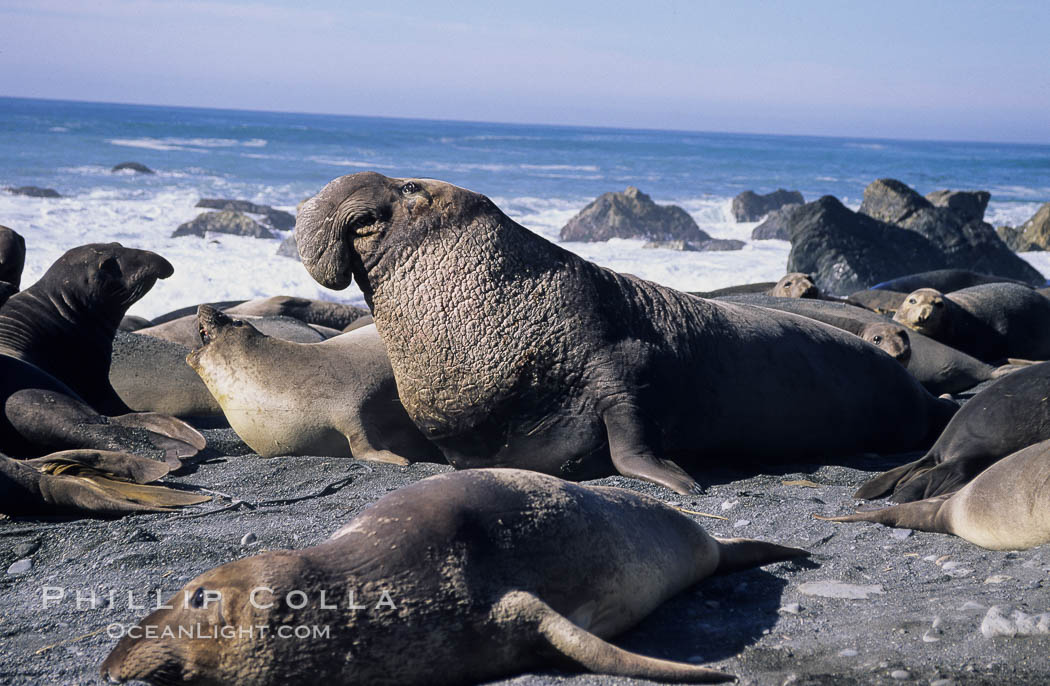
(465, 577)
(1007, 507)
(795, 285)
(64, 323)
(1008, 415)
(335, 398)
(511, 351)
(991, 322)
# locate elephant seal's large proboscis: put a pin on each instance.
(510, 351)
(462, 578)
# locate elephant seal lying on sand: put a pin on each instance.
(1007, 507)
(938, 367)
(465, 577)
(1008, 415)
(335, 398)
(511, 351)
(991, 322)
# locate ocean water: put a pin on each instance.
(539, 175)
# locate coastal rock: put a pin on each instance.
(288, 248)
(775, 226)
(751, 207)
(631, 214)
(712, 244)
(968, 205)
(277, 219)
(133, 166)
(223, 221)
(1034, 234)
(840, 589)
(966, 244)
(844, 251)
(1017, 623)
(33, 191)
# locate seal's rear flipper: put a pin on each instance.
(125, 466)
(882, 484)
(588, 652)
(26, 490)
(175, 437)
(944, 479)
(922, 515)
(744, 553)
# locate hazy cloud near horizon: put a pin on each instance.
(942, 70)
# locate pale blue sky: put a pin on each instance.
(895, 69)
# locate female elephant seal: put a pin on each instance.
(991, 322)
(460, 578)
(335, 398)
(511, 351)
(1007, 507)
(1010, 414)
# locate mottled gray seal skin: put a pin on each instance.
(487, 573)
(151, 375)
(96, 483)
(1006, 507)
(1008, 415)
(943, 280)
(184, 330)
(64, 323)
(511, 351)
(938, 367)
(335, 398)
(992, 322)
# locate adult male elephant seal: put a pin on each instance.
(1010, 414)
(64, 323)
(464, 577)
(335, 398)
(511, 351)
(1006, 507)
(991, 322)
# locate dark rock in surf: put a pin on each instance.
(631, 214)
(223, 221)
(751, 207)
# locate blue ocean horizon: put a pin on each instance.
(540, 175)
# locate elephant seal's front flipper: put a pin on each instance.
(630, 438)
(589, 653)
(882, 484)
(125, 466)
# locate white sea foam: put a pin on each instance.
(357, 164)
(221, 267)
(190, 144)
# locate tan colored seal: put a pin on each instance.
(335, 398)
(460, 578)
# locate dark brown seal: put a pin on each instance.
(463, 577)
(511, 351)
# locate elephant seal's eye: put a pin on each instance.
(409, 188)
(197, 601)
(876, 339)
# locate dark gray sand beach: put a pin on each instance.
(873, 605)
